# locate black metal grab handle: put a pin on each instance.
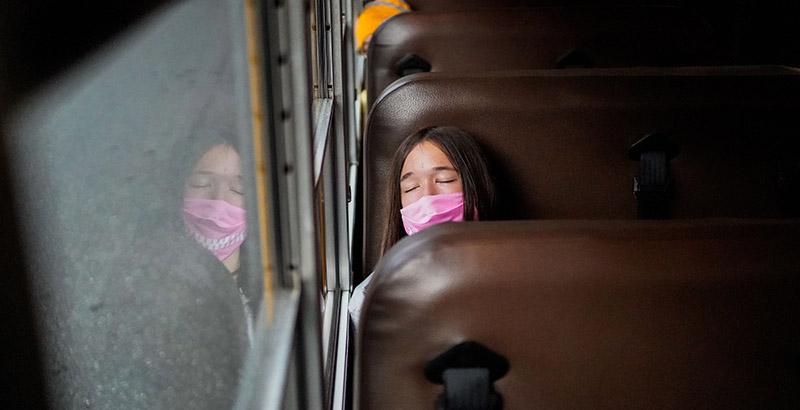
(411, 64)
(468, 371)
(575, 59)
(652, 188)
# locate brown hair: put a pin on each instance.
(469, 161)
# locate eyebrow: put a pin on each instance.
(442, 168)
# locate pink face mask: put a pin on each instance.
(216, 225)
(433, 209)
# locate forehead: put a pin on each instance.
(425, 155)
(220, 159)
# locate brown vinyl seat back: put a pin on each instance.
(558, 140)
(536, 38)
(592, 314)
(449, 5)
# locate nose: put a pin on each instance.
(428, 189)
(218, 192)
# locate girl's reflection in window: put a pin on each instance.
(214, 214)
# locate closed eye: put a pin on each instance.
(410, 189)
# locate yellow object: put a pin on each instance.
(375, 13)
(257, 92)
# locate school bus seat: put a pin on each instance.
(559, 142)
(591, 314)
(449, 5)
(537, 38)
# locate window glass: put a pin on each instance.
(315, 52)
(133, 175)
(322, 245)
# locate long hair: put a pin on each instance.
(469, 161)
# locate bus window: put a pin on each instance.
(134, 176)
(180, 197)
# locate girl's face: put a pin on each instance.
(427, 171)
(218, 175)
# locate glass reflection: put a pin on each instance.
(119, 163)
(214, 214)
